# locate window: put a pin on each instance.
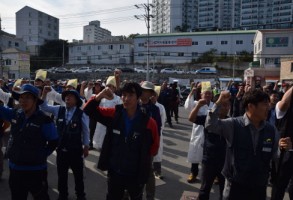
(141, 44)
(40, 31)
(194, 54)
(78, 58)
(99, 57)
(121, 46)
(29, 14)
(9, 43)
(110, 57)
(209, 42)
(49, 25)
(99, 48)
(224, 42)
(78, 48)
(194, 42)
(8, 62)
(29, 23)
(16, 44)
(110, 46)
(180, 54)
(89, 47)
(239, 41)
(40, 23)
(140, 54)
(49, 33)
(166, 53)
(291, 67)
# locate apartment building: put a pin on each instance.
(170, 16)
(34, 27)
(94, 32)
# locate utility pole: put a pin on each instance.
(234, 62)
(147, 16)
(1, 58)
(63, 54)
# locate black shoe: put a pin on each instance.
(91, 148)
(80, 198)
(171, 126)
(62, 198)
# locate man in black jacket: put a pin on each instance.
(131, 139)
(214, 151)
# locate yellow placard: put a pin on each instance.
(206, 86)
(41, 74)
(72, 82)
(17, 83)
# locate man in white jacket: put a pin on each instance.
(195, 151)
(100, 130)
(158, 158)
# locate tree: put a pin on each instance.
(131, 36)
(51, 55)
(208, 56)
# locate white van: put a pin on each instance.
(206, 70)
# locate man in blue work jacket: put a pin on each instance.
(33, 138)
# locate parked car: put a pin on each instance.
(52, 69)
(140, 70)
(103, 69)
(62, 70)
(180, 71)
(83, 70)
(126, 69)
(168, 71)
(206, 70)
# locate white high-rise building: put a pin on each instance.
(94, 32)
(34, 27)
(170, 16)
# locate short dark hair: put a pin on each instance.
(132, 87)
(254, 97)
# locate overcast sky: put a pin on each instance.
(115, 15)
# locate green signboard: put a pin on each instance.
(277, 42)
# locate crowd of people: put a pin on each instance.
(240, 137)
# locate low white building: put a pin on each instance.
(16, 63)
(271, 45)
(8, 40)
(107, 52)
(179, 48)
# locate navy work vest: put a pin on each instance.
(27, 144)
(70, 136)
(243, 165)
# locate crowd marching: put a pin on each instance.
(240, 139)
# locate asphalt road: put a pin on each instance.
(175, 170)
